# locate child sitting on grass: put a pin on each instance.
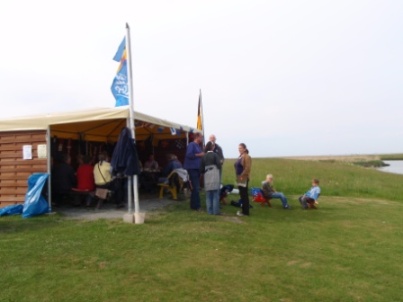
(269, 191)
(310, 198)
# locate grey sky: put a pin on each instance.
(284, 77)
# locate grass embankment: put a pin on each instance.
(348, 250)
(371, 163)
(391, 156)
(337, 178)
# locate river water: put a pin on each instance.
(395, 166)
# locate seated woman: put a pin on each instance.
(269, 191)
(103, 179)
(85, 180)
(85, 175)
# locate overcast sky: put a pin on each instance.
(285, 77)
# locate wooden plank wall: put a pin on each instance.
(14, 170)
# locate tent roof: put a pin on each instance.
(94, 124)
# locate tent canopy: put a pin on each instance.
(102, 124)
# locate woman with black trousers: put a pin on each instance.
(242, 170)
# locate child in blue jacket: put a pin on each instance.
(310, 198)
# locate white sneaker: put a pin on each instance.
(239, 213)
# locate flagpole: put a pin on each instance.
(129, 187)
(131, 115)
(202, 116)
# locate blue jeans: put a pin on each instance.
(212, 202)
(194, 176)
(281, 196)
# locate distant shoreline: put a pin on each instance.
(348, 158)
(353, 158)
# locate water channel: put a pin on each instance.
(395, 166)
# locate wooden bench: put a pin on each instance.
(89, 195)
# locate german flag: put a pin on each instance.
(200, 114)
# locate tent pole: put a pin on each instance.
(131, 110)
(49, 164)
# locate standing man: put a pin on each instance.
(217, 148)
(192, 162)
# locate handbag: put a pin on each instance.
(101, 193)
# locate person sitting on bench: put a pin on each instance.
(103, 180)
(85, 180)
(173, 164)
(270, 193)
(310, 198)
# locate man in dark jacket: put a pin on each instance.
(217, 148)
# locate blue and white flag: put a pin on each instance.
(120, 86)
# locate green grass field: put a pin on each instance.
(347, 250)
(337, 178)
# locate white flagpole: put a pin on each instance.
(129, 187)
(202, 116)
(131, 110)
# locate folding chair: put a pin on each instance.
(171, 185)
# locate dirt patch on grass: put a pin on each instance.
(306, 265)
(233, 219)
(292, 262)
(360, 201)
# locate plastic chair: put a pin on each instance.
(257, 196)
(170, 185)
